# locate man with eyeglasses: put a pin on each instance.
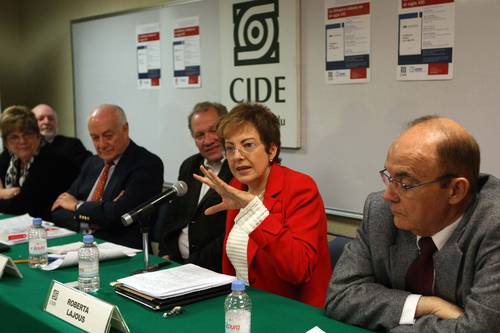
(188, 234)
(427, 254)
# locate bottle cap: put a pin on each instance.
(88, 239)
(237, 285)
(37, 221)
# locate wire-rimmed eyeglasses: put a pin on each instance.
(245, 149)
(400, 184)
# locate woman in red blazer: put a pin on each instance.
(276, 230)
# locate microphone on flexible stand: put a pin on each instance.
(178, 189)
(143, 210)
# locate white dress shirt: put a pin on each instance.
(410, 306)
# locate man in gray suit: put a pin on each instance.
(427, 254)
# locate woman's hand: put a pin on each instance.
(232, 198)
(9, 193)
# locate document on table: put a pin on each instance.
(176, 281)
(14, 230)
(67, 255)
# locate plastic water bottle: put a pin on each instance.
(238, 308)
(88, 265)
(37, 238)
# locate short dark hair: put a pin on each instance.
(260, 116)
(204, 107)
(18, 118)
(458, 151)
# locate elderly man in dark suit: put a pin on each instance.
(70, 148)
(188, 234)
(120, 177)
(427, 254)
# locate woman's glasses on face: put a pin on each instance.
(245, 149)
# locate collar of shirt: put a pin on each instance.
(440, 238)
(214, 166)
(116, 160)
(49, 139)
(111, 171)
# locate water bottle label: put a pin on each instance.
(238, 321)
(37, 246)
(88, 269)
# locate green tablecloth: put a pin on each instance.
(21, 302)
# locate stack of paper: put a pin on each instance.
(14, 230)
(67, 255)
(177, 281)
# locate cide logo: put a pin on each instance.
(256, 32)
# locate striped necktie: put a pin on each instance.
(101, 182)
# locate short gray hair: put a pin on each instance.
(204, 107)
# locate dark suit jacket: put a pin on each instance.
(368, 284)
(49, 175)
(288, 252)
(139, 174)
(206, 233)
(70, 148)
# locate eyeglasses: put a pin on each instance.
(399, 184)
(16, 138)
(244, 149)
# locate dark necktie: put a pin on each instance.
(420, 274)
(101, 182)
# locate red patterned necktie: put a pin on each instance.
(420, 274)
(101, 182)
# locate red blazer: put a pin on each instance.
(288, 252)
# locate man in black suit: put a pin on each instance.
(120, 177)
(70, 148)
(188, 235)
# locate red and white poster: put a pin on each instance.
(347, 41)
(186, 53)
(148, 56)
(426, 39)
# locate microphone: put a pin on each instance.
(178, 189)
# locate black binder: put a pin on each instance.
(158, 304)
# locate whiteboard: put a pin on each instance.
(345, 129)
(105, 71)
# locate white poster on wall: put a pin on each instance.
(426, 39)
(260, 59)
(148, 56)
(347, 41)
(186, 53)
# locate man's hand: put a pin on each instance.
(432, 305)
(9, 193)
(66, 201)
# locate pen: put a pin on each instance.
(163, 264)
(155, 267)
(20, 261)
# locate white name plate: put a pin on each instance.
(8, 266)
(82, 310)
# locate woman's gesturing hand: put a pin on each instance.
(232, 198)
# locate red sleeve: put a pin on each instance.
(291, 233)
